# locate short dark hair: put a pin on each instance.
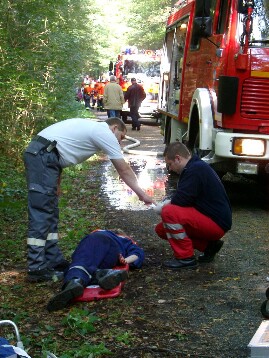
(115, 120)
(133, 79)
(176, 148)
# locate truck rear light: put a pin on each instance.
(248, 147)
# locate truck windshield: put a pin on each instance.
(260, 31)
(148, 68)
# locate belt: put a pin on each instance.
(49, 145)
(42, 140)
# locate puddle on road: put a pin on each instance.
(152, 177)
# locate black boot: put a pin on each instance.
(99, 273)
(71, 289)
(210, 252)
(44, 275)
(111, 278)
(62, 266)
(178, 264)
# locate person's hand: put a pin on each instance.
(122, 260)
(147, 199)
(159, 206)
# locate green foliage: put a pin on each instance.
(48, 46)
(87, 350)
(125, 338)
(81, 321)
(147, 23)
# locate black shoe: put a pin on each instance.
(178, 264)
(138, 129)
(73, 288)
(45, 275)
(133, 128)
(210, 252)
(112, 279)
(97, 275)
(62, 266)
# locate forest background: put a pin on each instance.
(47, 46)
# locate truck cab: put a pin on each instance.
(214, 87)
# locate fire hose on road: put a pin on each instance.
(136, 143)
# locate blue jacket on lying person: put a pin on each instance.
(93, 261)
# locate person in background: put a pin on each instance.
(100, 96)
(198, 214)
(87, 96)
(61, 145)
(87, 80)
(135, 94)
(94, 94)
(92, 263)
(113, 98)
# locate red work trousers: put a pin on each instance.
(187, 229)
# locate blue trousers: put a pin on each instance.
(95, 251)
(113, 113)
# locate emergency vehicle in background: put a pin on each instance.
(214, 87)
(143, 65)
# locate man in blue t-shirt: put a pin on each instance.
(198, 214)
(93, 260)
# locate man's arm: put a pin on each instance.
(128, 176)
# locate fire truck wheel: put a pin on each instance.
(267, 293)
(265, 309)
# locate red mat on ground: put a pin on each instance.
(95, 292)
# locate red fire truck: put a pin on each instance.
(214, 87)
(144, 65)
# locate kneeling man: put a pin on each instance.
(198, 214)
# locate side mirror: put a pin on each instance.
(202, 27)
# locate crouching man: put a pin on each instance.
(199, 212)
(92, 262)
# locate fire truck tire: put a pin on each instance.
(265, 309)
(267, 293)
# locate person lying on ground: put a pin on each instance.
(61, 145)
(93, 261)
(198, 214)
